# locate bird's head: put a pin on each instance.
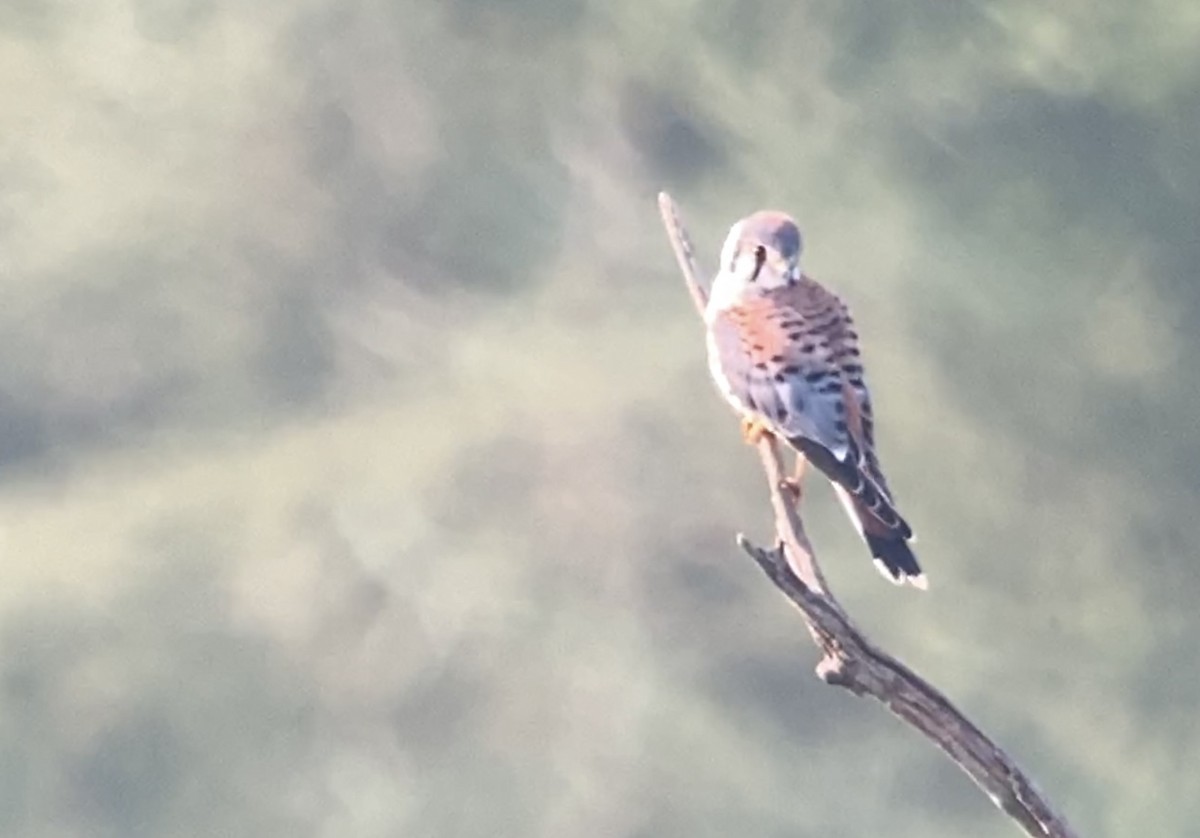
(761, 253)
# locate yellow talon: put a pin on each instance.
(753, 430)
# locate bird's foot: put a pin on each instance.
(790, 487)
(753, 430)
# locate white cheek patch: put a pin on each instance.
(726, 292)
(730, 246)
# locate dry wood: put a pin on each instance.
(849, 659)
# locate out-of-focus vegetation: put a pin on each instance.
(360, 471)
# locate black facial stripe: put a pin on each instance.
(760, 258)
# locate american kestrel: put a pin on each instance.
(783, 351)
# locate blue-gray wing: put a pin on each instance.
(770, 365)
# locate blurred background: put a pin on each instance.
(360, 474)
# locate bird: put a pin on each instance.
(784, 352)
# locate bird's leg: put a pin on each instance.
(801, 467)
(753, 430)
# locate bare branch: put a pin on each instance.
(685, 254)
(849, 659)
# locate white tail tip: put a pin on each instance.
(920, 581)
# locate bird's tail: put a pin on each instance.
(870, 509)
(889, 545)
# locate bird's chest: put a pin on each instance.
(730, 383)
(749, 344)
